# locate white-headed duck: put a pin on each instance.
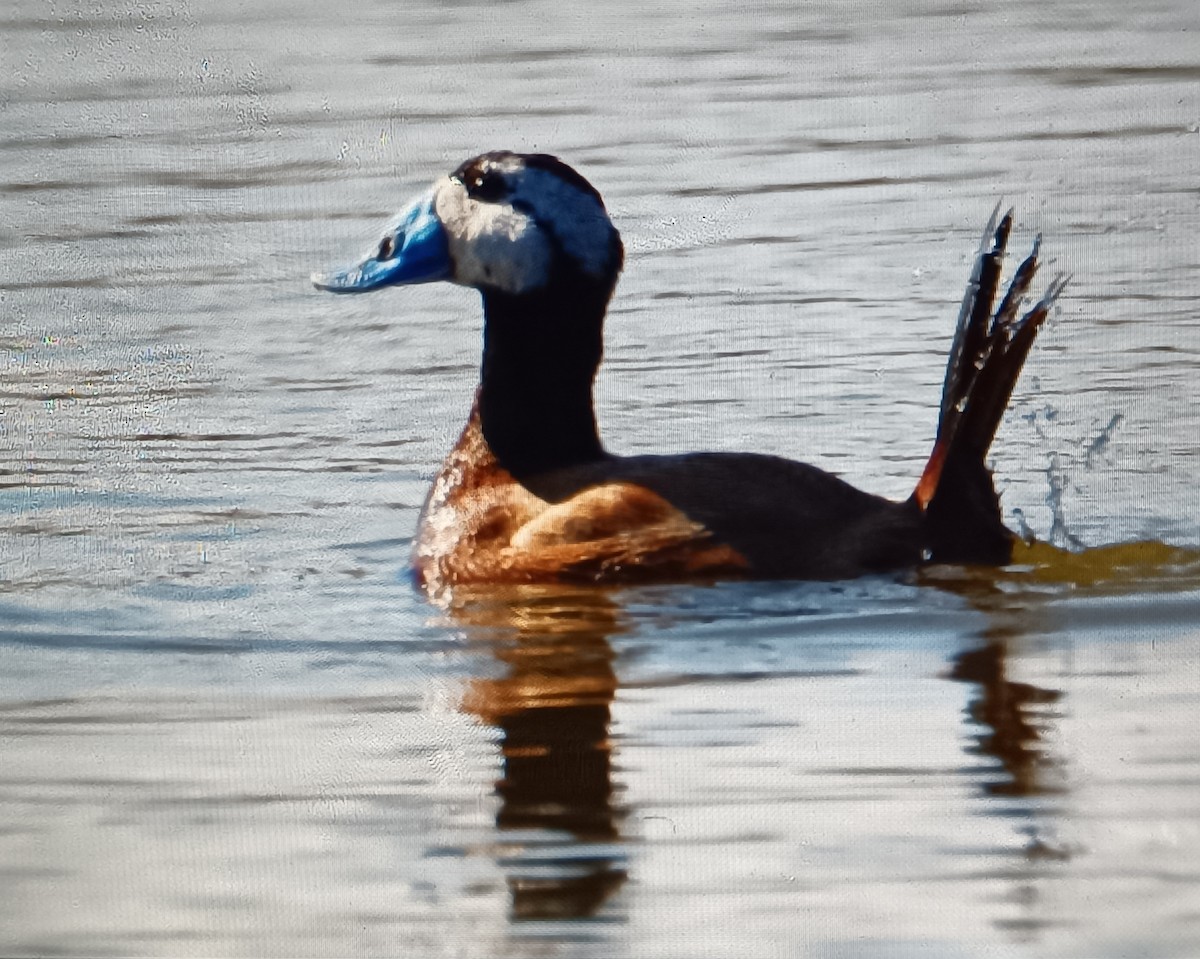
(529, 493)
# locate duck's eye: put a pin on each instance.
(488, 186)
(387, 248)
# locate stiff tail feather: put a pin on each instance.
(956, 494)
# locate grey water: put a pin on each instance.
(230, 727)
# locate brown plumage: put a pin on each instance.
(480, 525)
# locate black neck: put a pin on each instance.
(540, 355)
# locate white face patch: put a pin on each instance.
(509, 244)
(491, 244)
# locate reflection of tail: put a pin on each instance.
(956, 494)
(1013, 716)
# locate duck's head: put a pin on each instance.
(508, 223)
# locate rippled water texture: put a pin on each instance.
(228, 726)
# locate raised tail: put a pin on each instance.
(956, 495)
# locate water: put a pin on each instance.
(229, 726)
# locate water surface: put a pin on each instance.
(230, 727)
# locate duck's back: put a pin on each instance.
(785, 519)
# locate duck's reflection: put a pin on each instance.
(552, 707)
(1015, 717)
(1013, 720)
(1012, 717)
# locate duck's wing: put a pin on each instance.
(618, 531)
(772, 517)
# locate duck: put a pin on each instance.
(529, 493)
